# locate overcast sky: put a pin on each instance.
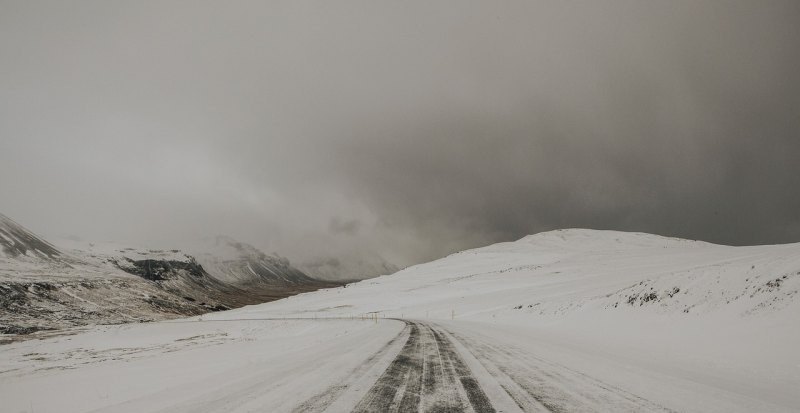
(410, 128)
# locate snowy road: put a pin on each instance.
(563, 321)
(427, 375)
(439, 371)
(539, 385)
(333, 365)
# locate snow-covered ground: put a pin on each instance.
(188, 367)
(576, 320)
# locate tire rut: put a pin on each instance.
(428, 375)
(323, 400)
(538, 385)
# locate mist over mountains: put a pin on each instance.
(43, 287)
(410, 130)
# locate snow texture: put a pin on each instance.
(570, 320)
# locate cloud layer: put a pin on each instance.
(412, 129)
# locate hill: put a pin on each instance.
(43, 287)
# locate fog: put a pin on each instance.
(404, 129)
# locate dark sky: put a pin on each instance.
(407, 128)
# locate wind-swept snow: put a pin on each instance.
(186, 367)
(572, 320)
(724, 317)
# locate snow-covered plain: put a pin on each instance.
(605, 318)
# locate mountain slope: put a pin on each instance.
(563, 321)
(43, 287)
(568, 271)
(239, 263)
(713, 321)
(16, 241)
(348, 266)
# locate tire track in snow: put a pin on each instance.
(538, 385)
(355, 378)
(427, 375)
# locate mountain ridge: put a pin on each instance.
(43, 287)
(16, 240)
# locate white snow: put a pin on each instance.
(81, 260)
(691, 325)
(209, 366)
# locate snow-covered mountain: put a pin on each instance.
(723, 316)
(581, 272)
(570, 320)
(46, 287)
(18, 242)
(348, 267)
(239, 263)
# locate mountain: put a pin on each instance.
(349, 266)
(239, 263)
(43, 287)
(566, 321)
(690, 325)
(16, 241)
(570, 272)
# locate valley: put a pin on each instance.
(562, 321)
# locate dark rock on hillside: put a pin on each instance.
(160, 270)
(42, 288)
(15, 240)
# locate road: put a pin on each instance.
(427, 375)
(436, 370)
(336, 365)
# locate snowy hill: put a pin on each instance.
(562, 272)
(571, 320)
(720, 315)
(18, 242)
(43, 287)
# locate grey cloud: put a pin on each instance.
(347, 227)
(425, 127)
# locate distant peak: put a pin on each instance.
(16, 241)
